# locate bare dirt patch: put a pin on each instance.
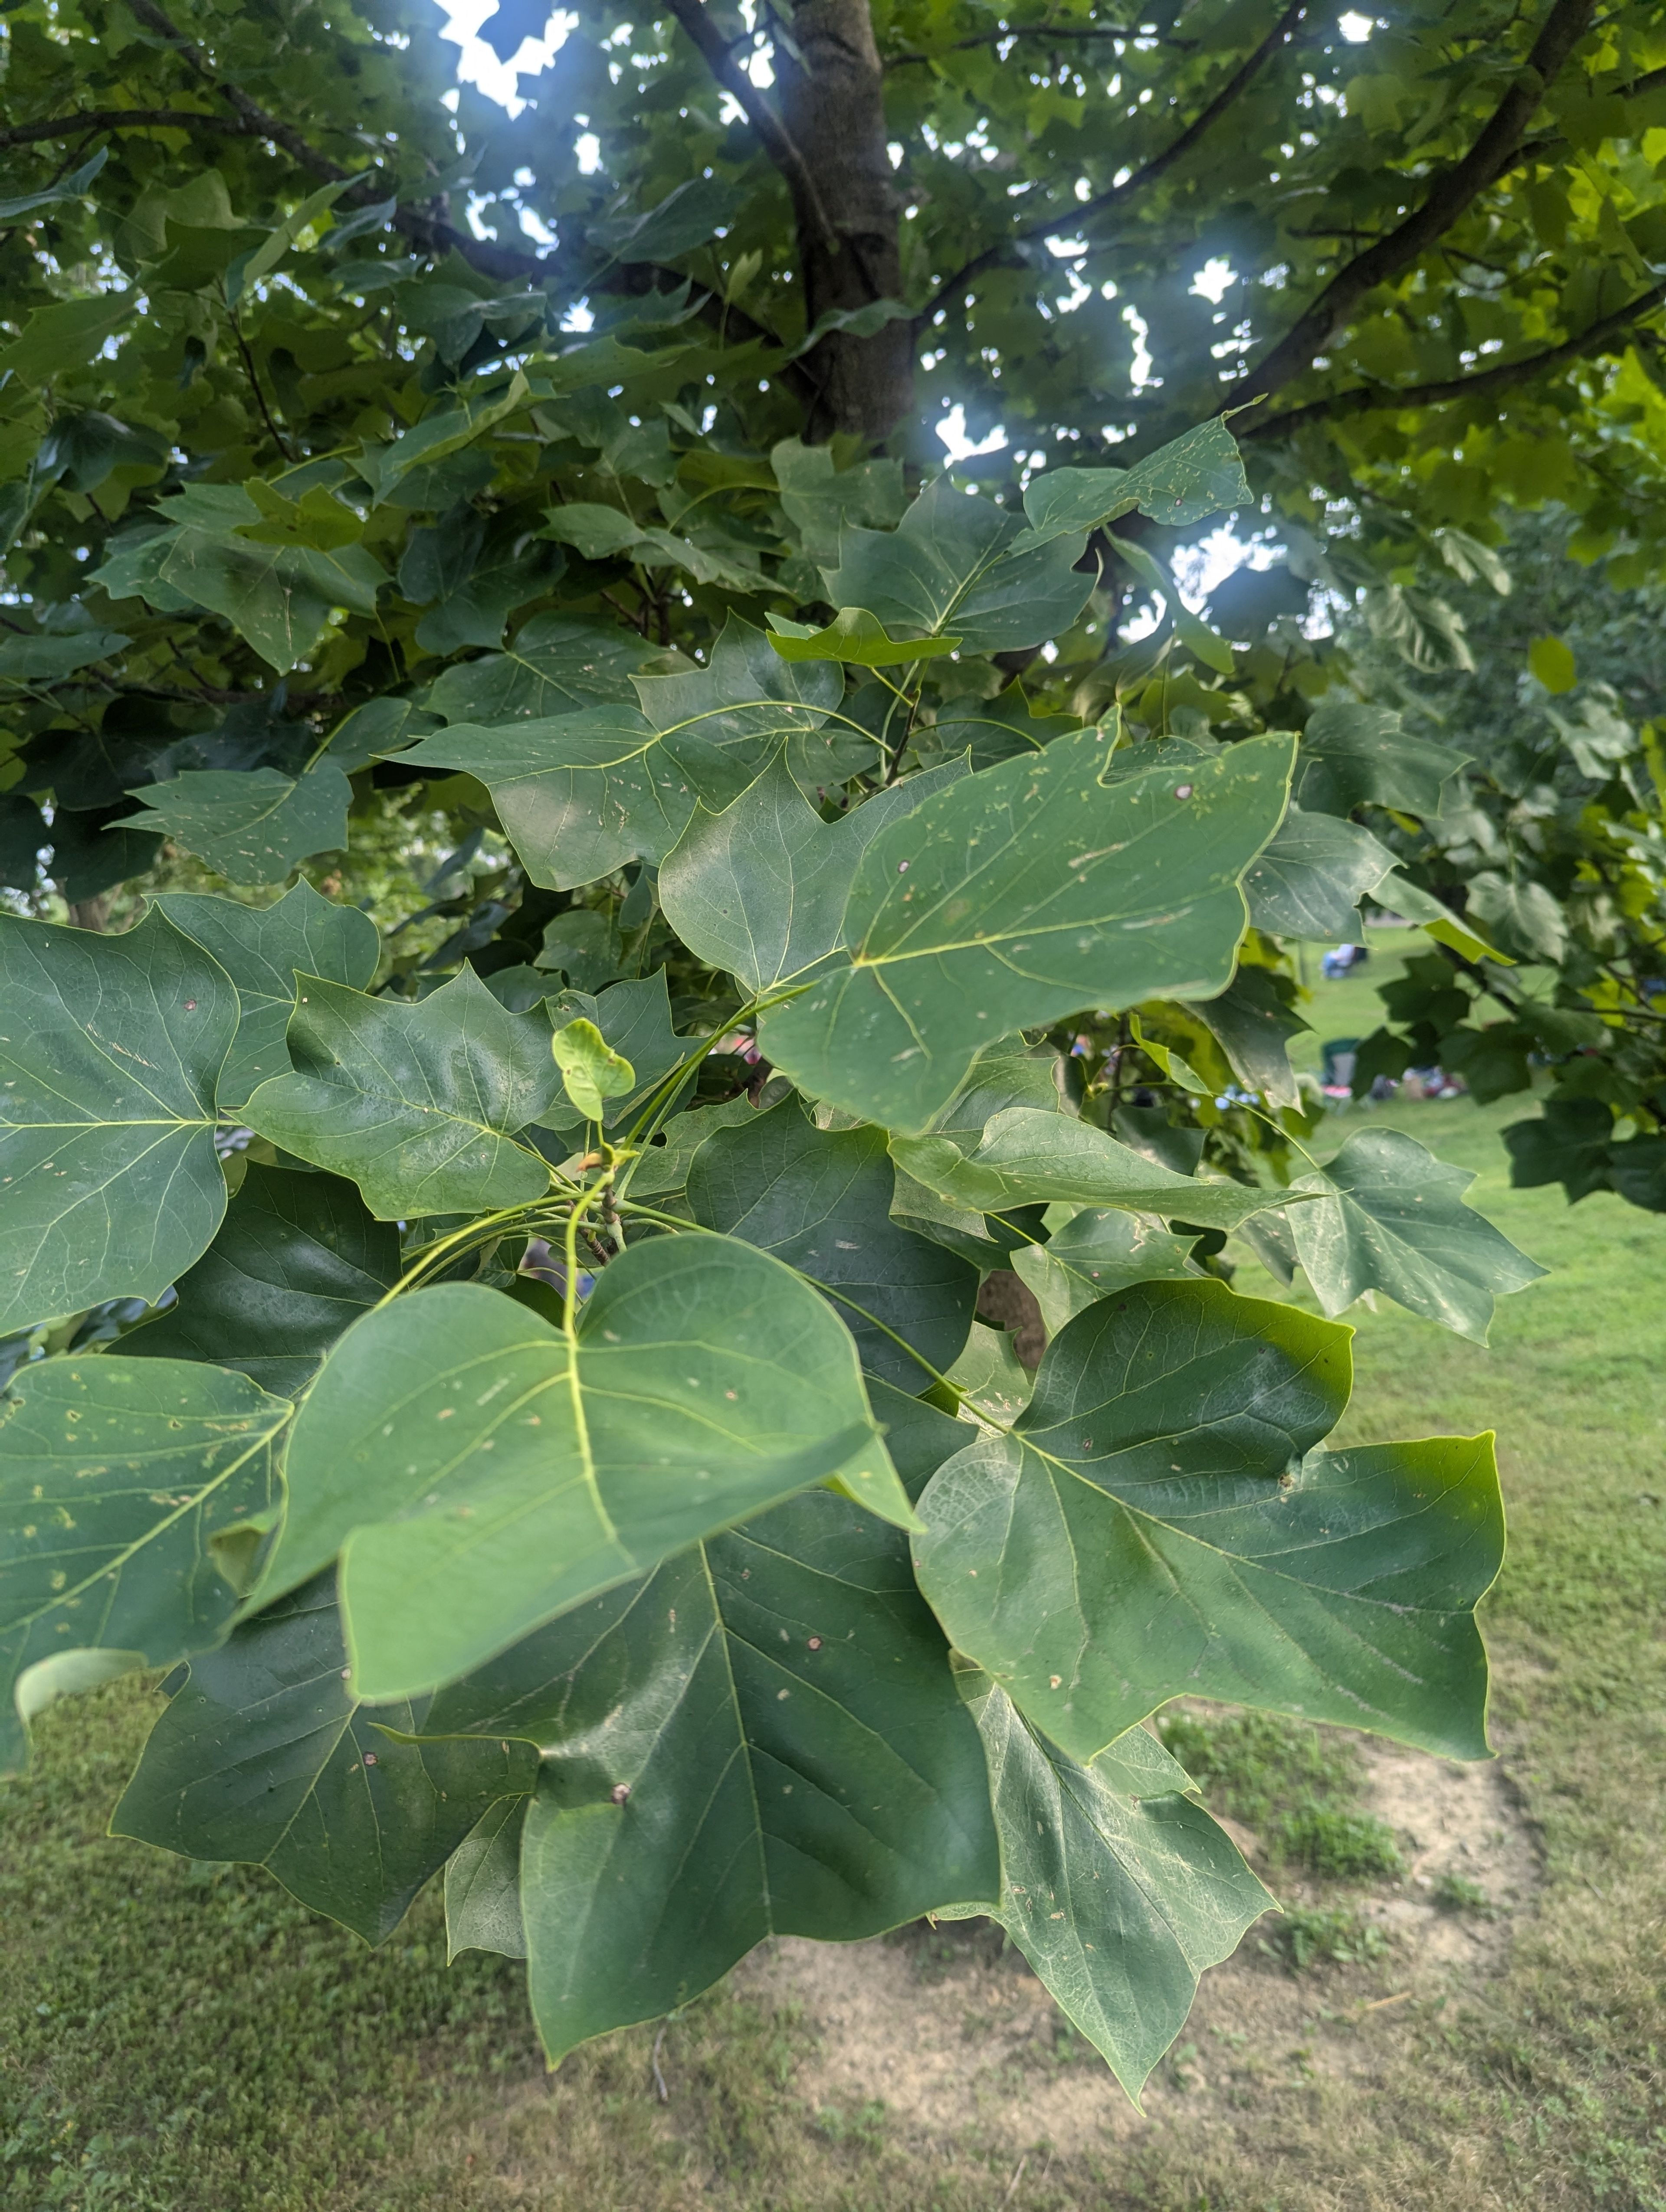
(945, 2031)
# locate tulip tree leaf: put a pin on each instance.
(117, 1479)
(1021, 894)
(1102, 1249)
(950, 567)
(480, 1474)
(297, 1261)
(1181, 1533)
(1391, 1217)
(580, 794)
(821, 1202)
(855, 636)
(748, 702)
(483, 1885)
(555, 665)
(252, 824)
(112, 1049)
(1027, 1156)
(1354, 755)
(1253, 1022)
(591, 1070)
(760, 889)
(266, 1757)
(635, 1021)
(418, 1101)
(1191, 478)
(1118, 1897)
(263, 950)
(1311, 879)
(763, 1737)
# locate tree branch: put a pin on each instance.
(1282, 32)
(1367, 398)
(772, 134)
(123, 118)
(1493, 150)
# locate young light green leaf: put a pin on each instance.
(1402, 896)
(591, 1070)
(297, 1261)
(252, 824)
(635, 1020)
(1391, 1217)
(762, 1738)
(761, 888)
(964, 926)
(1119, 1896)
(1180, 1533)
(480, 1473)
(951, 565)
(263, 950)
(1311, 879)
(117, 1479)
(855, 636)
(418, 1101)
(112, 1049)
(266, 1757)
(1027, 1156)
(821, 1202)
(556, 664)
(1195, 476)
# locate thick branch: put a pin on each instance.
(1282, 32)
(1367, 398)
(124, 118)
(773, 135)
(1451, 196)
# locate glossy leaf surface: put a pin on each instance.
(480, 1473)
(1181, 1533)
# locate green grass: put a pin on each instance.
(185, 2039)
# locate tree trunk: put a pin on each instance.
(832, 101)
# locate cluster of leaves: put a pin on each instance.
(1552, 840)
(537, 1383)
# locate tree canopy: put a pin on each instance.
(615, 909)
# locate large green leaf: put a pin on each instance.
(1160, 1522)
(266, 1756)
(760, 889)
(950, 567)
(263, 950)
(479, 1473)
(820, 499)
(1196, 476)
(748, 702)
(762, 1738)
(1027, 1156)
(1311, 879)
(252, 824)
(1021, 894)
(112, 1049)
(119, 1478)
(555, 665)
(821, 1202)
(418, 1101)
(280, 599)
(1391, 1217)
(297, 1260)
(580, 794)
(1117, 1889)
(1354, 754)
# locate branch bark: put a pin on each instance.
(828, 140)
(1368, 398)
(1282, 32)
(1451, 195)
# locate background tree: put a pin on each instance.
(559, 1438)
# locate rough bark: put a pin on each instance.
(832, 103)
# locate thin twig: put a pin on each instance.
(659, 2088)
(1012, 2187)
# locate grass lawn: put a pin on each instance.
(179, 2039)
